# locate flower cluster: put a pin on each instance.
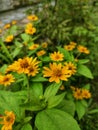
(58, 72)
(38, 74)
(30, 29)
(27, 65)
(81, 93)
(70, 46)
(80, 48)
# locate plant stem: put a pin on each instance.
(28, 87)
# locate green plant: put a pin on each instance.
(42, 86)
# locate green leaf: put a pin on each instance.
(32, 106)
(84, 102)
(27, 119)
(55, 100)
(87, 86)
(36, 98)
(25, 37)
(80, 109)
(21, 95)
(39, 79)
(51, 90)
(26, 127)
(36, 90)
(3, 56)
(45, 58)
(67, 106)
(83, 61)
(16, 52)
(8, 101)
(85, 71)
(13, 29)
(18, 44)
(93, 111)
(53, 119)
(5, 50)
(3, 68)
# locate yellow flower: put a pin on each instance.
(21, 65)
(56, 73)
(83, 49)
(73, 44)
(32, 17)
(27, 65)
(34, 46)
(30, 30)
(8, 120)
(9, 38)
(33, 68)
(86, 94)
(6, 26)
(6, 79)
(69, 47)
(71, 67)
(81, 93)
(78, 94)
(44, 44)
(56, 56)
(29, 25)
(41, 53)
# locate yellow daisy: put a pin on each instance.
(86, 94)
(32, 17)
(83, 49)
(30, 30)
(34, 46)
(71, 67)
(41, 53)
(57, 56)
(73, 44)
(6, 79)
(6, 26)
(8, 120)
(56, 73)
(23, 65)
(78, 94)
(27, 65)
(69, 47)
(33, 68)
(9, 38)
(29, 25)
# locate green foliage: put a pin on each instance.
(26, 127)
(83, 70)
(55, 120)
(58, 98)
(67, 106)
